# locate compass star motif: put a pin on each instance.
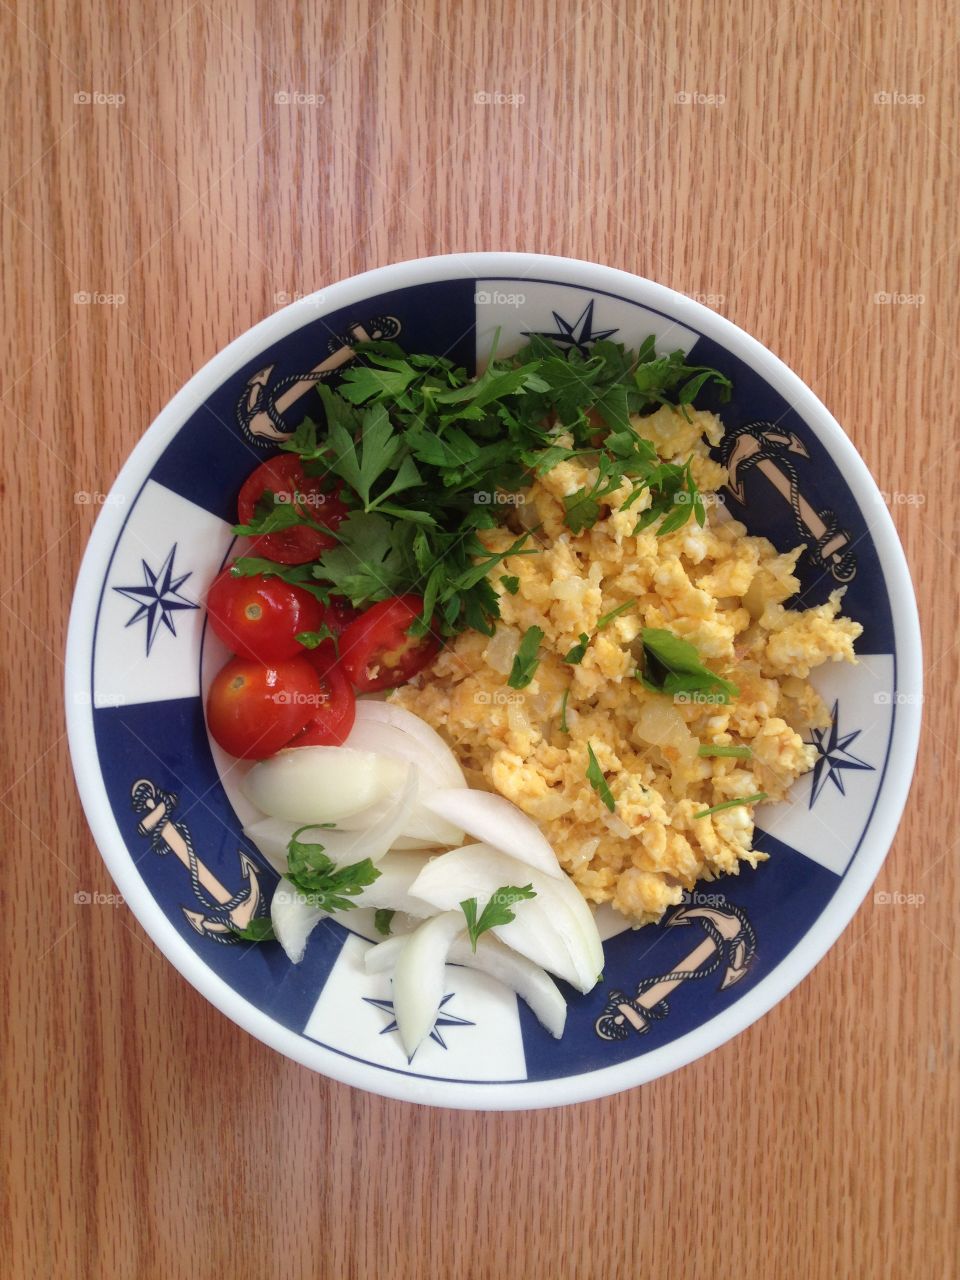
(833, 757)
(443, 1019)
(158, 597)
(578, 334)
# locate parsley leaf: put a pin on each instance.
(525, 662)
(326, 885)
(383, 920)
(496, 912)
(260, 929)
(598, 781)
(313, 639)
(510, 584)
(672, 665)
(576, 654)
(606, 618)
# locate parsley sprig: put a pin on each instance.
(496, 912)
(314, 874)
(672, 665)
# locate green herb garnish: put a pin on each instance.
(738, 753)
(606, 618)
(260, 929)
(313, 639)
(576, 654)
(732, 804)
(525, 661)
(564, 728)
(383, 920)
(672, 666)
(510, 584)
(326, 885)
(496, 912)
(598, 781)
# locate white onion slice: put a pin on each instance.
(555, 930)
(391, 889)
(428, 738)
(495, 820)
(419, 977)
(293, 919)
(272, 835)
(528, 980)
(322, 784)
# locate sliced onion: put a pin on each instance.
(322, 784)
(391, 889)
(495, 820)
(528, 980)
(477, 871)
(555, 930)
(418, 979)
(272, 835)
(428, 738)
(293, 919)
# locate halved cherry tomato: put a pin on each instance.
(377, 650)
(261, 617)
(313, 496)
(337, 708)
(254, 709)
(338, 613)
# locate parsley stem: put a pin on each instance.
(739, 753)
(732, 804)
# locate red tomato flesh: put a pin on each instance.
(260, 617)
(313, 496)
(377, 650)
(337, 706)
(254, 709)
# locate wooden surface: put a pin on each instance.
(145, 1135)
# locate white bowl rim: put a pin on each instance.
(828, 925)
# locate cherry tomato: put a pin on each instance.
(338, 614)
(254, 709)
(313, 496)
(337, 709)
(261, 617)
(377, 650)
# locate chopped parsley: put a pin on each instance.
(606, 618)
(313, 639)
(672, 665)
(576, 654)
(383, 921)
(496, 912)
(525, 661)
(419, 448)
(598, 781)
(732, 804)
(260, 929)
(738, 753)
(326, 885)
(564, 727)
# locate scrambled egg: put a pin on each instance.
(717, 587)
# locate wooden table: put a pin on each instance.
(792, 163)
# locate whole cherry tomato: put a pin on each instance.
(313, 496)
(260, 617)
(254, 709)
(377, 650)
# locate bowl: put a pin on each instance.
(164, 805)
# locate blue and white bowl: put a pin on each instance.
(164, 806)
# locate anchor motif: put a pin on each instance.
(224, 912)
(766, 447)
(730, 943)
(261, 407)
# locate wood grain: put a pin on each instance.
(145, 1135)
